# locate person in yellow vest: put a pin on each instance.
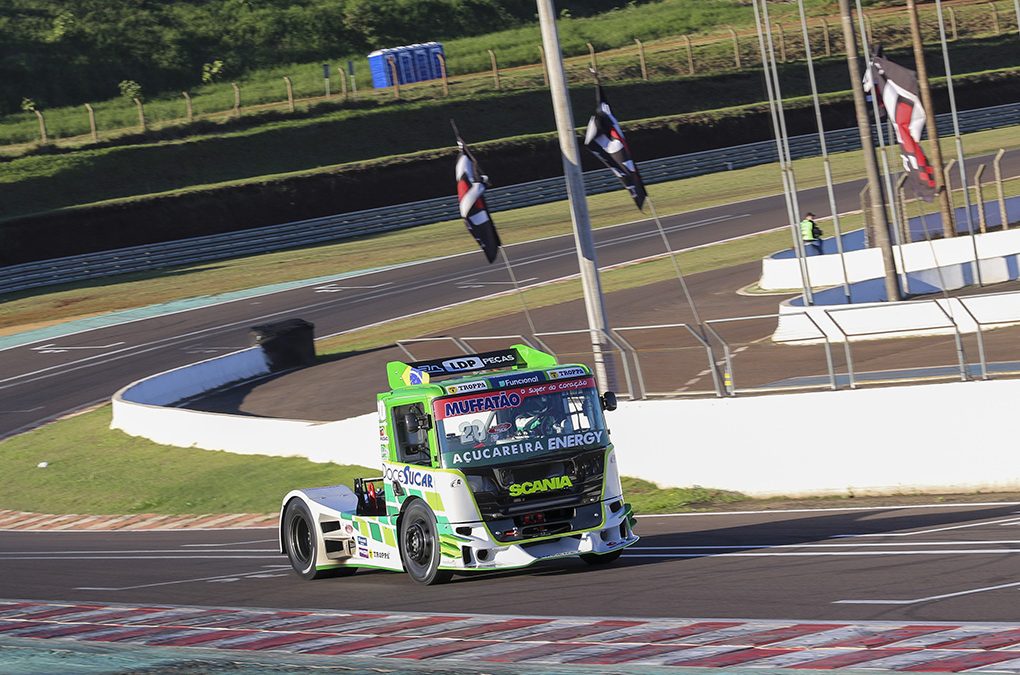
(811, 234)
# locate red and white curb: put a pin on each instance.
(711, 643)
(25, 521)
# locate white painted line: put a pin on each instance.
(4, 554)
(167, 583)
(861, 545)
(783, 554)
(335, 288)
(929, 598)
(838, 508)
(13, 412)
(56, 349)
(234, 543)
(936, 529)
(139, 557)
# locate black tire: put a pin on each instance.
(419, 546)
(601, 558)
(300, 543)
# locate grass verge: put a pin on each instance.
(95, 470)
(28, 309)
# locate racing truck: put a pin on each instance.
(490, 461)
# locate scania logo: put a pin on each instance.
(544, 485)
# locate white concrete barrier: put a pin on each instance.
(142, 409)
(886, 440)
(997, 252)
(859, 441)
(882, 320)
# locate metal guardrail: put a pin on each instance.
(669, 366)
(386, 219)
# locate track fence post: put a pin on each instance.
(237, 99)
(141, 113)
(690, 55)
(92, 122)
(641, 58)
(189, 112)
(736, 48)
(495, 69)
(1000, 191)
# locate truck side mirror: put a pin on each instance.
(608, 400)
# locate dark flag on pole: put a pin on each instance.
(471, 184)
(606, 141)
(897, 91)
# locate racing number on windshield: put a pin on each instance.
(472, 432)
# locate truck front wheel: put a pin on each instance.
(419, 545)
(300, 543)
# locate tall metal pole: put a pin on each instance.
(881, 225)
(594, 303)
(825, 151)
(886, 172)
(948, 223)
(778, 128)
(959, 141)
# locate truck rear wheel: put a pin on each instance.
(301, 544)
(419, 546)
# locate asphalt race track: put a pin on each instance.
(771, 575)
(941, 563)
(44, 380)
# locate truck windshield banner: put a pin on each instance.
(512, 425)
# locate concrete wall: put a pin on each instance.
(997, 251)
(883, 320)
(860, 441)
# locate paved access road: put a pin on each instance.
(940, 563)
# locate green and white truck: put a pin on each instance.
(505, 462)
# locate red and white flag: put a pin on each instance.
(897, 90)
(471, 184)
(605, 139)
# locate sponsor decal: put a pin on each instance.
(349, 529)
(487, 455)
(516, 380)
(544, 485)
(362, 541)
(564, 373)
(380, 554)
(481, 403)
(362, 553)
(464, 387)
(487, 360)
(408, 476)
(500, 428)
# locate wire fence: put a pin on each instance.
(727, 50)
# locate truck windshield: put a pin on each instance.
(513, 425)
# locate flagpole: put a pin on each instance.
(594, 303)
(881, 224)
(825, 151)
(959, 141)
(513, 278)
(792, 214)
(886, 171)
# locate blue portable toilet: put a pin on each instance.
(405, 65)
(379, 66)
(422, 68)
(435, 50)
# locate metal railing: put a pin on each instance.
(651, 358)
(389, 218)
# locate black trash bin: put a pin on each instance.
(287, 344)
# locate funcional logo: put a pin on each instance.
(544, 485)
